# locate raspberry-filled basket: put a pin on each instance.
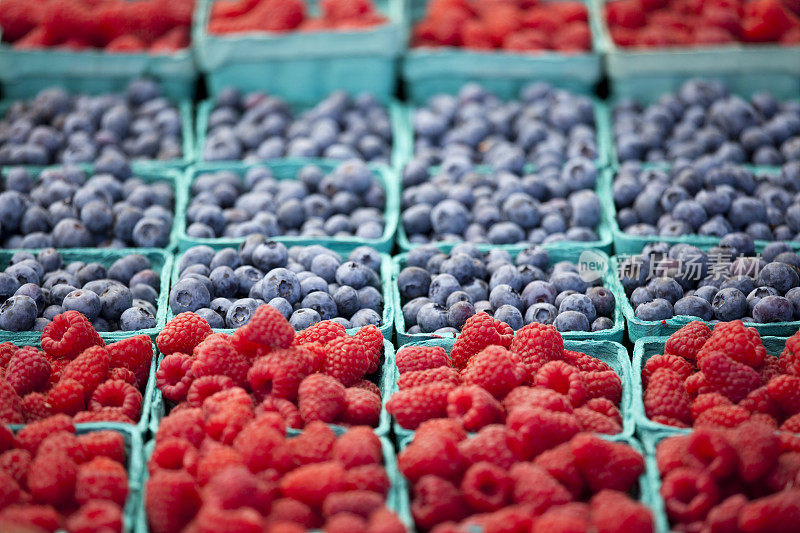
(288, 169)
(318, 374)
(302, 65)
(740, 377)
(496, 382)
(592, 260)
(92, 472)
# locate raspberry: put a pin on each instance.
(489, 444)
(533, 430)
(709, 450)
(104, 443)
(594, 422)
(411, 358)
(18, 18)
(512, 519)
(536, 488)
(758, 449)
(345, 523)
(94, 516)
(791, 424)
(737, 342)
(236, 487)
(362, 407)
(372, 339)
(31, 436)
(216, 459)
(677, 364)
(135, 354)
(789, 360)
(28, 371)
(34, 407)
(172, 453)
(117, 394)
(789, 443)
(268, 328)
(101, 479)
(584, 362)
(35, 517)
(358, 502)
(368, 477)
(480, 331)
(174, 376)
(559, 463)
(9, 490)
(213, 519)
(283, 408)
(122, 374)
(211, 340)
(606, 465)
(205, 387)
(697, 384)
(89, 369)
(315, 355)
(321, 332)
(670, 454)
(496, 370)
(544, 398)
(615, 511)
(313, 445)
(687, 341)
(725, 516)
(770, 368)
(357, 447)
(186, 423)
(384, 521)
(605, 407)
(732, 379)
(722, 417)
(688, 494)
(346, 360)
(411, 407)
(564, 379)
(569, 517)
(706, 401)
(486, 487)
(106, 414)
(7, 349)
(785, 390)
(51, 478)
(15, 463)
(10, 404)
(312, 483)
(473, 407)
(321, 397)
(68, 335)
(785, 472)
(760, 401)
(287, 510)
(171, 500)
(64, 442)
(182, 334)
(778, 512)
(435, 455)
(217, 357)
(436, 500)
(57, 367)
(537, 344)
(445, 427)
(665, 396)
(415, 378)
(227, 419)
(278, 374)
(262, 446)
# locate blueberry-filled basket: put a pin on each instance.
(556, 254)
(384, 378)
(611, 353)
(302, 66)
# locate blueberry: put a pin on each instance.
(269, 255)
(51, 311)
(281, 283)
(226, 257)
(510, 315)
(571, 321)
(773, 309)
(137, 318)
(580, 303)
(459, 312)
(505, 295)
(666, 288)
(311, 284)
(442, 285)
(694, 306)
(657, 309)
(196, 255)
(745, 284)
(780, 276)
(188, 294)
(240, 312)
(602, 323)
(483, 306)
(411, 308)
(147, 277)
(353, 274)
(213, 318)
(124, 268)
(85, 302)
(8, 286)
(224, 282)
(304, 318)
(729, 304)
(563, 281)
(247, 276)
(370, 298)
(346, 300)
(221, 306)
(114, 300)
(145, 292)
(413, 282)
(199, 270)
(419, 257)
(507, 275)
(542, 313)
(603, 301)
(322, 303)
(365, 317)
(202, 279)
(707, 293)
(18, 313)
(477, 290)
(794, 297)
(281, 305)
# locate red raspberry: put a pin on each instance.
(117, 394)
(174, 376)
(345, 9)
(345, 523)
(16, 463)
(9, 490)
(760, 401)
(605, 464)
(615, 511)
(362, 407)
(89, 369)
(174, 40)
(315, 355)
(368, 477)
(537, 344)
(106, 414)
(564, 379)
(758, 448)
(101, 479)
(186, 423)
(104, 443)
(572, 516)
(372, 339)
(791, 424)
(213, 519)
(435, 455)
(358, 446)
(216, 356)
(135, 354)
(739, 343)
(18, 18)
(586, 363)
(262, 446)
(445, 427)
(321, 332)
(687, 341)
(33, 434)
(544, 398)
(709, 450)
(57, 367)
(289, 511)
(415, 378)
(10, 404)
(182, 334)
(94, 516)
(778, 512)
(268, 328)
(604, 407)
(671, 453)
(789, 443)
(536, 488)
(30, 518)
(706, 401)
(785, 472)
(321, 397)
(226, 419)
(313, 445)
(677, 364)
(283, 408)
(232, 8)
(533, 430)
(28, 371)
(770, 368)
(171, 500)
(278, 374)
(411, 358)
(34, 407)
(312, 483)
(214, 459)
(436, 500)
(473, 407)
(172, 453)
(480, 331)
(732, 379)
(51, 478)
(785, 390)
(725, 516)
(486, 487)
(697, 384)
(411, 407)
(594, 422)
(666, 397)
(7, 348)
(496, 370)
(123, 374)
(384, 521)
(67, 396)
(236, 487)
(559, 463)
(358, 502)
(526, 40)
(68, 335)
(205, 387)
(347, 360)
(7, 440)
(790, 357)
(489, 444)
(722, 417)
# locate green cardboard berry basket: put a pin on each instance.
(556, 254)
(612, 353)
(387, 316)
(287, 170)
(302, 66)
(384, 378)
(744, 67)
(430, 70)
(647, 347)
(160, 261)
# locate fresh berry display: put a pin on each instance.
(258, 127)
(563, 481)
(440, 292)
(722, 379)
(74, 374)
(154, 26)
(668, 23)
(306, 284)
(727, 282)
(693, 200)
(527, 381)
(546, 127)
(35, 288)
(511, 25)
(741, 479)
(704, 122)
(318, 374)
(55, 480)
(238, 16)
(347, 201)
(66, 207)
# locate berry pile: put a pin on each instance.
(546, 127)
(55, 127)
(728, 282)
(665, 23)
(258, 127)
(306, 284)
(513, 25)
(723, 379)
(238, 16)
(54, 480)
(526, 380)
(155, 26)
(348, 201)
(316, 374)
(210, 474)
(439, 292)
(65, 208)
(497, 480)
(35, 289)
(703, 122)
(744, 479)
(74, 373)
(689, 199)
